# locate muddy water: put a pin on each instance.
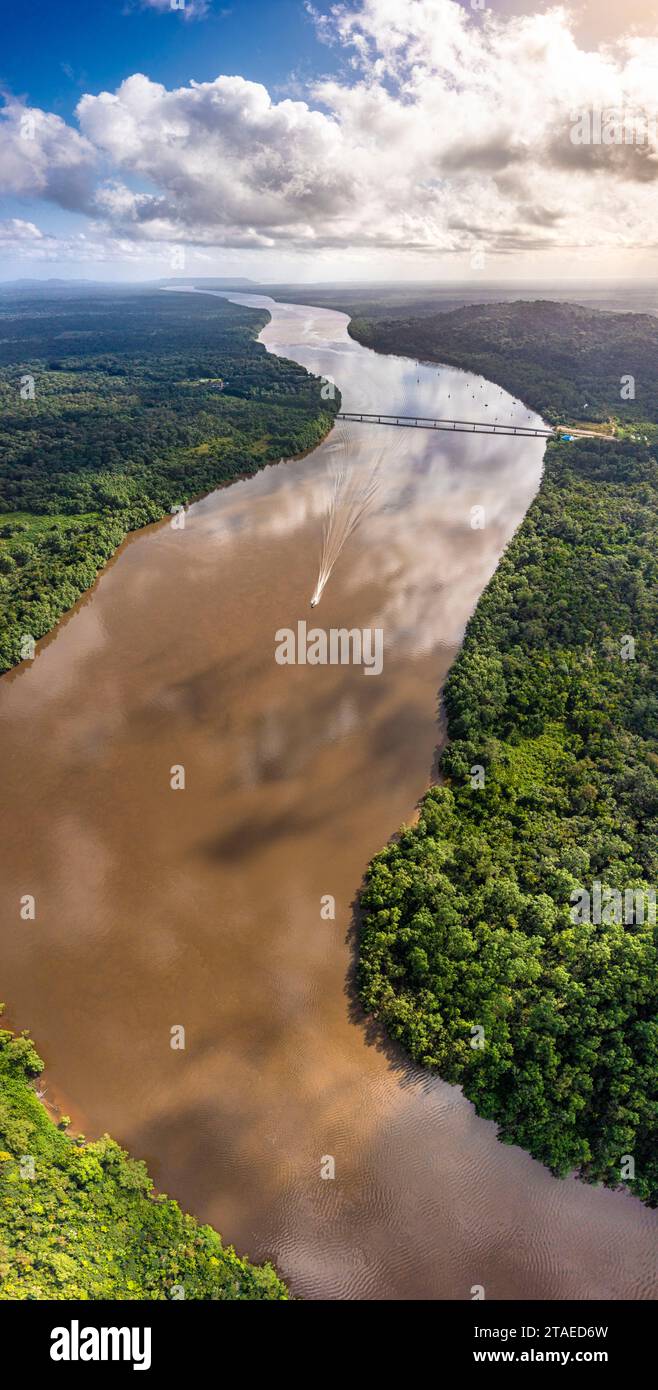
(202, 907)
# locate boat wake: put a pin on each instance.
(350, 498)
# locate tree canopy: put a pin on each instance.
(471, 953)
(82, 1221)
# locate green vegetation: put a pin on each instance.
(87, 1224)
(564, 360)
(142, 401)
(467, 917)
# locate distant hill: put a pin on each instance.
(52, 282)
(77, 283)
(215, 282)
(565, 360)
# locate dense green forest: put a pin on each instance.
(81, 1221)
(115, 407)
(470, 919)
(564, 360)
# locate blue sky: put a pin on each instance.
(58, 48)
(358, 139)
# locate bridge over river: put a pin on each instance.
(426, 422)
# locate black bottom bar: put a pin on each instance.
(477, 1337)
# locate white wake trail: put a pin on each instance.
(349, 500)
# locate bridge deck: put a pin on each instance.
(426, 422)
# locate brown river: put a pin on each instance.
(201, 907)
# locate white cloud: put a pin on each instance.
(27, 242)
(232, 167)
(186, 9)
(447, 132)
(41, 155)
(14, 230)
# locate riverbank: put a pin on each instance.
(82, 1220)
(471, 954)
(564, 360)
(117, 409)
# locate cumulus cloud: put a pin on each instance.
(232, 166)
(14, 230)
(41, 155)
(448, 131)
(25, 240)
(413, 148)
